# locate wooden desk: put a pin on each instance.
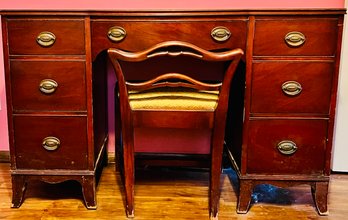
(282, 113)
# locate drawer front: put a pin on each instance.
(265, 136)
(63, 36)
(33, 89)
(33, 153)
(139, 35)
(319, 37)
(291, 87)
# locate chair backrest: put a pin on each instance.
(172, 50)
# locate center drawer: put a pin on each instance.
(53, 142)
(48, 85)
(140, 35)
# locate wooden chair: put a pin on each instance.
(173, 100)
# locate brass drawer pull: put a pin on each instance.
(287, 147)
(295, 39)
(48, 86)
(220, 34)
(46, 39)
(292, 88)
(50, 143)
(116, 34)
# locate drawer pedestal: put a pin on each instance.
(57, 113)
(288, 110)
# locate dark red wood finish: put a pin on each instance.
(70, 94)
(262, 113)
(271, 116)
(143, 34)
(71, 131)
(315, 78)
(320, 33)
(66, 114)
(308, 135)
(213, 120)
(69, 34)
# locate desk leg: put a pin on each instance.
(18, 190)
(319, 192)
(245, 190)
(88, 191)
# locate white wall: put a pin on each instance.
(340, 150)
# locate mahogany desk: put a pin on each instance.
(280, 126)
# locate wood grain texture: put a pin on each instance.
(314, 77)
(308, 135)
(176, 194)
(70, 94)
(259, 33)
(72, 152)
(144, 34)
(320, 34)
(23, 34)
(275, 55)
(171, 117)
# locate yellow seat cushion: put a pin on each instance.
(177, 98)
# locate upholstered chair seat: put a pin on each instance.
(178, 98)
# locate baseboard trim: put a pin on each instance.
(111, 157)
(4, 156)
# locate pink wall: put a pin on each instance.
(140, 5)
(3, 116)
(168, 4)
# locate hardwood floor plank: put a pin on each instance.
(168, 194)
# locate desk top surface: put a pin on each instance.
(116, 5)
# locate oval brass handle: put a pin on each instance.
(295, 39)
(48, 86)
(50, 143)
(116, 34)
(46, 39)
(287, 147)
(292, 88)
(220, 34)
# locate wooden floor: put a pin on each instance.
(173, 194)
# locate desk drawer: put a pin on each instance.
(139, 35)
(275, 85)
(31, 84)
(319, 35)
(30, 132)
(309, 136)
(58, 36)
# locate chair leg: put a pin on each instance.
(128, 160)
(105, 156)
(118, 155)
(118, 139)
(215, 174)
